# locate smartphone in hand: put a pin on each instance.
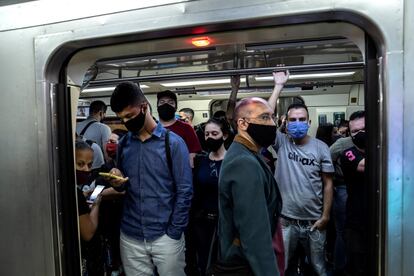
(98, 189)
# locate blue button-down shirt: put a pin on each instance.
(157, 201)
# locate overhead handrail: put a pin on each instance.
(248, 71)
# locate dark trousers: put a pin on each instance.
(191, 267)
(356, 252)
(203, 233)
(339, 216)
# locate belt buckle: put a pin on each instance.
(211, 216)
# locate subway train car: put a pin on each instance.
(58, 56)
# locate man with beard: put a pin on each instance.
(158, 192)
(249, 199)
(356, 223)
(166, 107)
(304, 173)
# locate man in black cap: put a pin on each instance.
(167, 107)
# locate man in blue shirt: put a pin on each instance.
(158, 192)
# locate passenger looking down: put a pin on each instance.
(93, 129)
(326, 133)
(88, 216)
(356, 225)
(206, 173)
(249, 199)
(167, 106)
(304, 174)
(158, 185)
(187, 115)
(98, 158)
(343, 128)
(112, 145)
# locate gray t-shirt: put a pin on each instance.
(97, 132)
(337, 149)
(298, 174)
(98, 159)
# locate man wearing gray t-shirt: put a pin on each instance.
(93, 129)
(304, 174)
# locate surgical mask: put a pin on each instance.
(166, 112)
(297, 130)
(111, 149)
(360, 140)
(264, 135)
(214, 144)
(135, 124)
(83, 177)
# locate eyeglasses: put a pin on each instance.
(264, 117)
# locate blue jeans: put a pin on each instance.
(339, 215)
(297, 232)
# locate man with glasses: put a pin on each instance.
(356, 225)
(304, 174)
(249, 199)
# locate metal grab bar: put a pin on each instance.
(248, 71)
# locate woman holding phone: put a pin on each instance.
(88, 217)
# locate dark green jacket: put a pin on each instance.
(249, 207)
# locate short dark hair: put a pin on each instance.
(126, 94)
(219, 114)
(97, 106)
(187, 110)
(324, 133)
(82, 145)
(221, 122)
(343, 123)
(357, 115)
(297, 106)
(168, 94)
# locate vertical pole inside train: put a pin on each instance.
(374, 127)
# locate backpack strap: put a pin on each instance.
(89, 142)
(123, 140)
(168, 150)
(86, 127)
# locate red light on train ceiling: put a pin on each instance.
(201, 41)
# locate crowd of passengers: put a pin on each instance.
(241, 194)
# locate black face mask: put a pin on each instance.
(83, 177)
(214, 144)
(135, 124)
(166, 112)
(264, 135)
(360, 140)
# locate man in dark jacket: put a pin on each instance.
(249, 200)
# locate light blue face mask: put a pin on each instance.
(297, 130)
